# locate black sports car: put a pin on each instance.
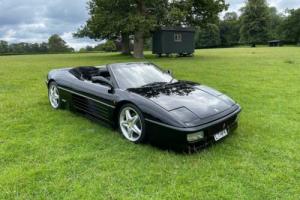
(145, 102)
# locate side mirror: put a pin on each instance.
(169, 72)
(102, 80)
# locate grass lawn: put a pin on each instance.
(47, 154)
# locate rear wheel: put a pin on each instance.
(131, 123)
(53, 95)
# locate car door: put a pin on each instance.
(94, 99)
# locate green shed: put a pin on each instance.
(177, 40)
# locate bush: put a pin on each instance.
(109, 46)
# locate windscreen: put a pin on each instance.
(134, 75)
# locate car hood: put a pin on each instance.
(183, 97)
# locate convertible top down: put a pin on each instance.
(145, 102)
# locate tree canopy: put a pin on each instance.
(255, 22)
(275, 23)
(208, 37)
(291, 26)
(57, 44)
(229, 29)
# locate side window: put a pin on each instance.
(177, 37)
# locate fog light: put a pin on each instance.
(194, 137)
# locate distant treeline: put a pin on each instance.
(108, 46)
(249, 28)
(55, 44)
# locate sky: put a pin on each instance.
(35, 20)
(281, 5)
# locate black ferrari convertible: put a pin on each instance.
(145, 102)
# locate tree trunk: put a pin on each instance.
(139, 34)
(125, 44)
(138, 44)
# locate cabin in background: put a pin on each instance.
(173, 40)
(275, 43)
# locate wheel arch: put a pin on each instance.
(50, 81)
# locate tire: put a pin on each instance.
(53, 96)
(131, 123)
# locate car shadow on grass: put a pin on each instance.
(160, 146)
(185, 149)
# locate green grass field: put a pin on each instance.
(47, 154)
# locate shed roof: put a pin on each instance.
(274, 41)
(183, 29)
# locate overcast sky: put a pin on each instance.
(36, 20)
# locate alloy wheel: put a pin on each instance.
(130, 124)
(54, 96)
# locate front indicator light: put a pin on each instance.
(195, 137)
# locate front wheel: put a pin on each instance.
(53, 95)
(131, 123)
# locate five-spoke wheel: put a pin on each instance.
(54, 95)
(131, 123)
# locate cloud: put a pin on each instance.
(37, 20)
(281, 5)
(235, 5)
(286, 4)
(78, 43)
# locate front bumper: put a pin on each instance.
(174, 136)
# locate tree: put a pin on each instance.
(3, 47)
(146, 17)
(109, 20)
(113, 18)
(194, 12)
(86, 49)
(276, 21)
(57, 44)
(43, 47)
(255, 22)
(98, 47)
(89, 48)
(230, 29)
(208, 37)
(108, 46)
(18, 48)
(291, 26)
